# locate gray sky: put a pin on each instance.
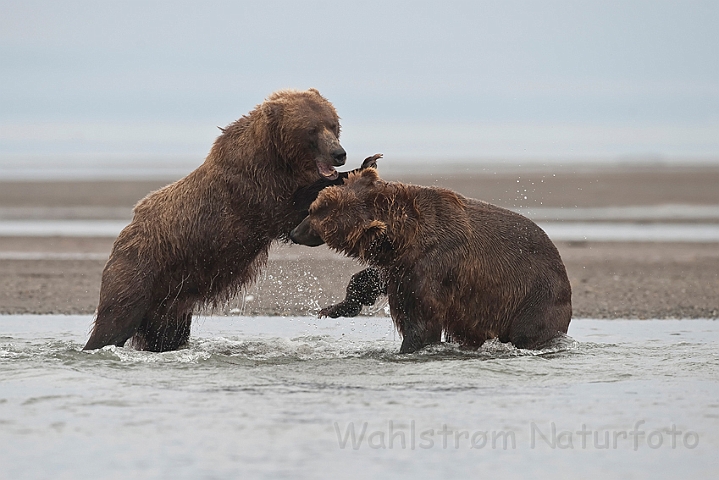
(447, 79)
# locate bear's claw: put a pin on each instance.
(371, 162)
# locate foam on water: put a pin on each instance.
(269, 397)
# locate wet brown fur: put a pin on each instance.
(200, 239)
(451, 264)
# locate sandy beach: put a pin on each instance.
(620, 279)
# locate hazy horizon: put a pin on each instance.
(527, 81)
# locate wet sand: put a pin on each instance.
(609, 279)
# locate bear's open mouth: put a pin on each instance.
(327, 171)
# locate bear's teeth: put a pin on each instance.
(327, 171)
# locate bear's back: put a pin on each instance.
(506, 230)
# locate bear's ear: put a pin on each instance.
(375, 228)
(370, 174)
(315, 91)
(367, 233)
(366, 176)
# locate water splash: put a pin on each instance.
(279, 350)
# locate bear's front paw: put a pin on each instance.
(342, 309)
(371, 162)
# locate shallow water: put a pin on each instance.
(557, 231)
(271, 397)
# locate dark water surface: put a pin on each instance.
(271, 397)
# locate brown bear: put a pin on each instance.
(200, 239)
(449, 263)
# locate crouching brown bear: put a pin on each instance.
(200, 239)
(449, 263)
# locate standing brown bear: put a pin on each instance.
(200, 239)
(449, 263)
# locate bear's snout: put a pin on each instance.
(304, 235)
(339, 156)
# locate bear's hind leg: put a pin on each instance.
(413, 341)
(416, 336)
(164, 331)
(534, 328)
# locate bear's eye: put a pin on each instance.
(312, 131)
